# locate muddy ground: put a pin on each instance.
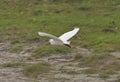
(58, 63)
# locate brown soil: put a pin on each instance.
(65, 69)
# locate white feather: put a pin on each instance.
(53, 38)
(68, 35)
(63, 39)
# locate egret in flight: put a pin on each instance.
(63, 39)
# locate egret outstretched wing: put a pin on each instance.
(49, 35)
(62, 40)
(68, 35)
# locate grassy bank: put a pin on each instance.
(20, 20)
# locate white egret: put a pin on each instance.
(63, 39)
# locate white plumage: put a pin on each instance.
(63, 39)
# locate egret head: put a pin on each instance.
(51, 41)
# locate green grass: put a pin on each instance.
(16, 48)
(47, 50)
(78, 56)
(103, 63)
(69, 71)
(117, 80)
(104, 75)
(21, 20)
(12, 64)
(33, 70)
